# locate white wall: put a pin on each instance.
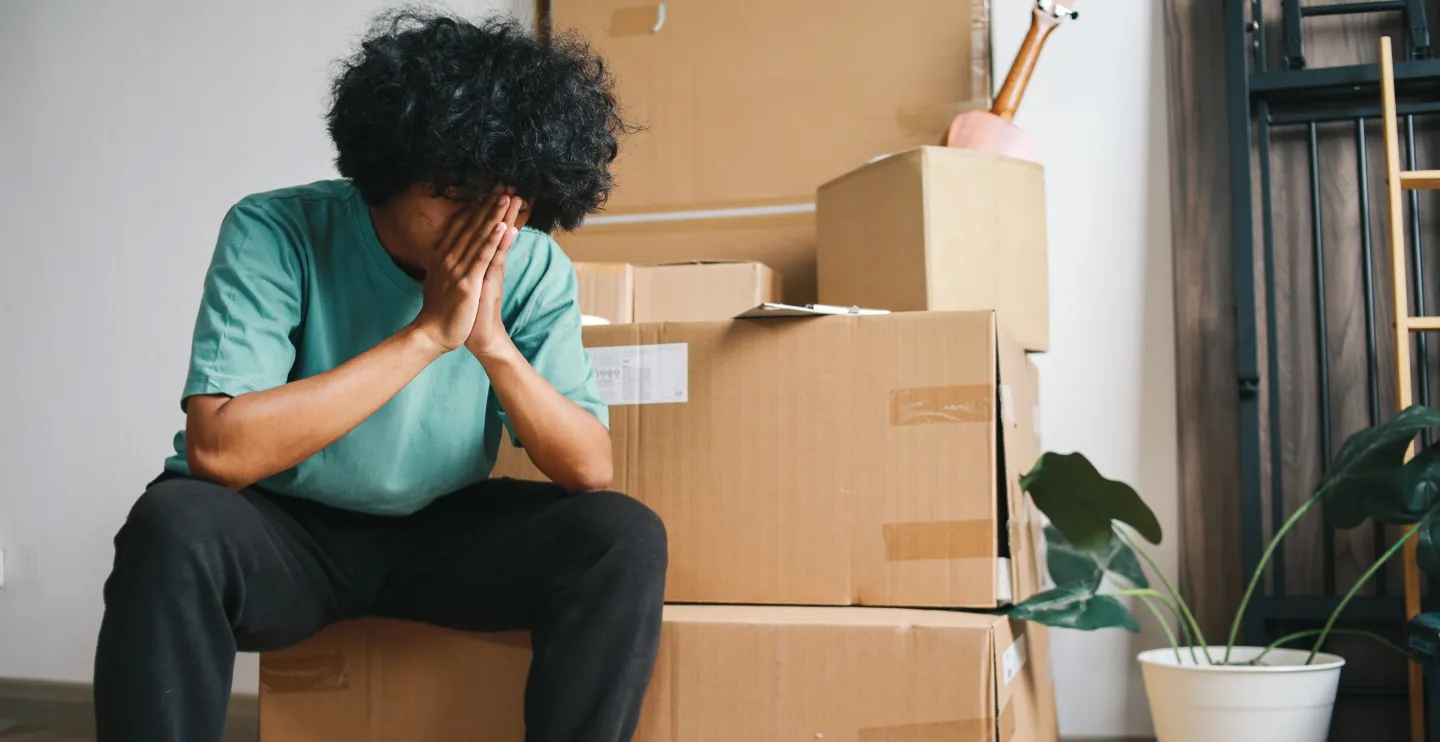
(127, 128)
(1097, 107)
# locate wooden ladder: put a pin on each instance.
(1397, 181)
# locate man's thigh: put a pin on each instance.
(268, 559)
(494, 557)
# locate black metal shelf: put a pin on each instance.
(1260, 101)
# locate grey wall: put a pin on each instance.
(1097, 107)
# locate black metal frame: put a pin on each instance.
(1261, 100)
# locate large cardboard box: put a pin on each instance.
(747, 101)
(784, 242)
(699, 291)
(607, 290)
(844, 460)
(939, 228)
(724, 674)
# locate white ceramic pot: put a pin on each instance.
(1280, 700)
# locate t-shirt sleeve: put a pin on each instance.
(548, 334)
(250, 307)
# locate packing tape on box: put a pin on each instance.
(310, 674)
(637, 20)
(974, 403)
(945, 539)
(969, 730)
(1007, 723)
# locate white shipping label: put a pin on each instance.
(1013, 660)
(1002, 579)
(642, 374)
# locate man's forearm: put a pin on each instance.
(237, 442)
(565, 442)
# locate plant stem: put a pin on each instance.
(1260, 568)
(1146, 594)
(1312, 632)
(1184, 615)
(1175, 646)
(1335, 616)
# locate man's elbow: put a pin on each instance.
(593, 477)
(212, 467)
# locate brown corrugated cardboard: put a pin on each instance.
(607, 290)
(724, 674)
(843, 460)
(939, 228)
(746, 100)
(785, 242)
(702, 290)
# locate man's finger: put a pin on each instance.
(460, 232)
(474, 247)
(512, 210)
(495, 272)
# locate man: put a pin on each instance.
(361, 347)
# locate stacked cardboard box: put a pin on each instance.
(749, 105)
(841, 492)
(692, 291)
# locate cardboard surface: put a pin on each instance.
(724, 674)
(840, 460)
(701, 291)
(752, 100)
(784, 242)
(607, 290)
(939, 228)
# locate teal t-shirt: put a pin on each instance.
(300, 284)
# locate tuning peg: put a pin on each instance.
(1056, 9)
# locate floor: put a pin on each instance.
(12, 732)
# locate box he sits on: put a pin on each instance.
(939, 228)
(724, 674)
(843, 460)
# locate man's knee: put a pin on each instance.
(174, 522)
(627, 530)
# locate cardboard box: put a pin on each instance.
(607, 290)
(842, 460)
(943, 229)
(724, 674)
(747, 101)
(702, 290)
(784, 242)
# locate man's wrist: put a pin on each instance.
(496, 354)
(419, 340)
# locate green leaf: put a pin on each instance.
(1359, 480)
(1082, 504)
(1428, 553)
(1068, 564)
(1409, 494)
(1076, 606)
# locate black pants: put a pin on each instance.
(202, 571)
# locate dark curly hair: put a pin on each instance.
(434, 99)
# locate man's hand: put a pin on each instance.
(488, 339)
(456, 281)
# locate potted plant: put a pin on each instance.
(1202, 692)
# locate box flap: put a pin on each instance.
(1016, 394)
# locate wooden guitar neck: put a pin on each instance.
(1043, 19)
